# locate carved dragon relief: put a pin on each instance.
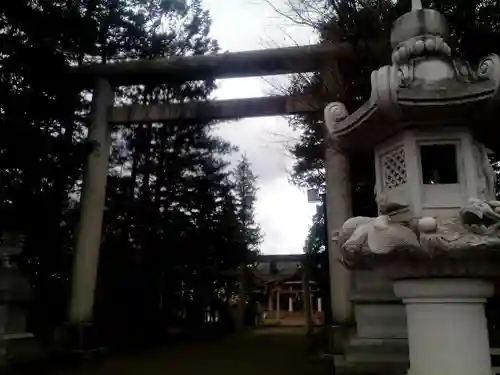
(486, 176)
(476, 227)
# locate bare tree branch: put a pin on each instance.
(299, 20)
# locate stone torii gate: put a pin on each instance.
(105, 77)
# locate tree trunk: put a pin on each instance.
(307, 297)
(240, 319)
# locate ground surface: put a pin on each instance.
(265, 351)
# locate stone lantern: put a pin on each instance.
(429, 121)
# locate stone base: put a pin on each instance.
(372, 351)
(19, 348)
(342, 367)
(373, 357)
(381, 320)
(80, 340)
(379, 313)
(380, 344)
(338, 336)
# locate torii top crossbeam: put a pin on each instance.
(225, 65)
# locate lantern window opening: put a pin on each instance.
(439, 163)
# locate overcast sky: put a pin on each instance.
(282, 209)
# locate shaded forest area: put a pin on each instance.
(176, 218)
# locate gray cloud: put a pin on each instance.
(282, 210)
(264, 141)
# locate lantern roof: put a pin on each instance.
(424, 86)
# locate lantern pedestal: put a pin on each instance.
(447, 330)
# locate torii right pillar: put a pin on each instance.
(338, 210)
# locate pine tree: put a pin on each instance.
(245, 191)
(170, 225)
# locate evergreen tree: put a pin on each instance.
(245, 191)
(171, 226)
(317, 256)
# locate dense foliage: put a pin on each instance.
(245, 183)
(245, 186)
(317, 258)
(172, 223)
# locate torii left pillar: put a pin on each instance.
(92, 203)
